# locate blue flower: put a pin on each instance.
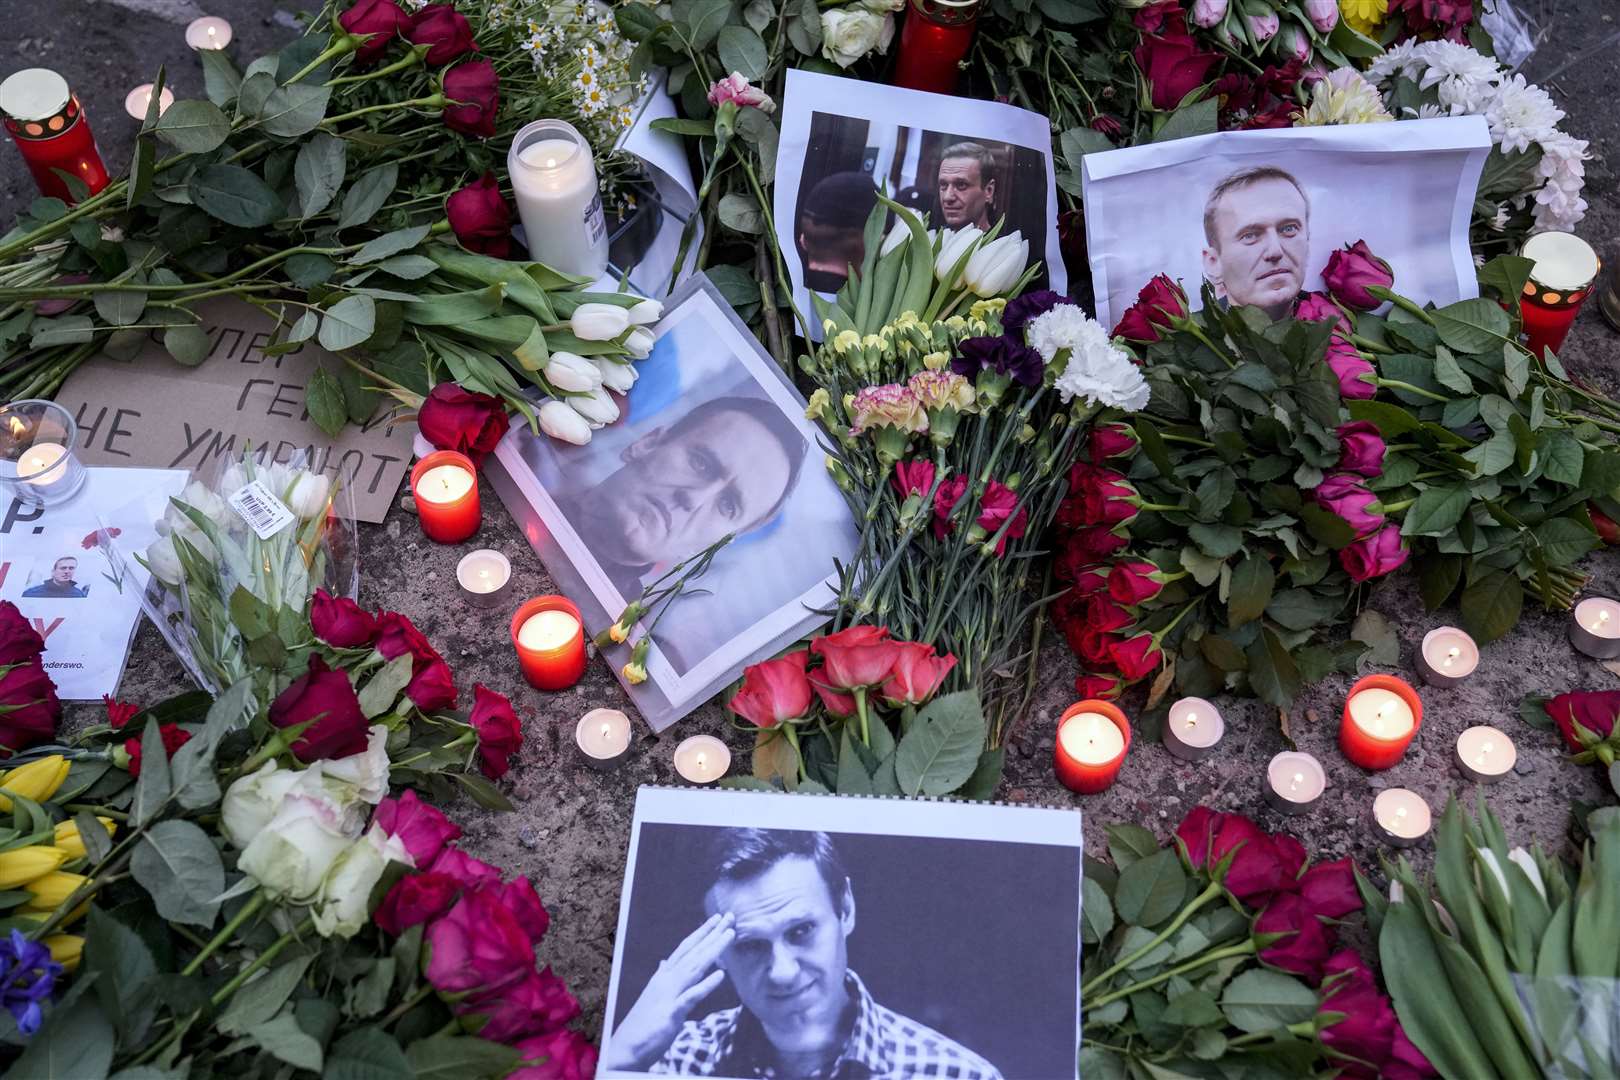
(27, 977)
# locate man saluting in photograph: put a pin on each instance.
(1257, 228)
(967, 185)
(781, 910)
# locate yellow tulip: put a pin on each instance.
(22, 865)
(69, 840)
(51, 889)
(66, 949)
(37, 780)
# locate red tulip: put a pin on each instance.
(431, 686)
(1136, 656)
(1305, 945)
(1134, 582)
(500, 732)
(1594, 710)
(481, 220)
(477, 946)
(1376, 555)
(1350, 270)
(174, 737)
(774, 690)
(1361, 448)
(414, 900)
(918, 673)
(462, 420)
(421, 827)
(320, 692)
(443, 28)
(475, 88)
(856, 657)
(382, 19)
(340, 622)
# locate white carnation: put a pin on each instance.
(1063, 327)
(1097, 370)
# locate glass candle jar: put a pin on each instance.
(37, 462)
(51, 131)
(933, 43)
(554, 183)
(1566, 266)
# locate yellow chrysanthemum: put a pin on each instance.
(1364, 15)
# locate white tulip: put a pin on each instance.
(343, 906)
(162, 560)
(639, 343)
(185, 530)
(203, 499)
(233, 479)
(598, 407)
(365, 773)
(252, 801)
(646, 312)
(309, 494)
(617, 375)
(899, 233)
(561, 422)
(572, 373)
(994, 268)
(1527, 863)
(953, 246)
(599, 322)
(292, 853)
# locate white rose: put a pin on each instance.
(597, 407)
(648, 311)
(850, 33)
(366, 772)
(616, 374)
(292, 853)
(309, 494)
(252, 801)
(162, 560)
(572, 373)
(561, 422)
(344, 903)
(639, 343)
(599, 322)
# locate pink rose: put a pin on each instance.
(414, 900)
(1361, 448)
(1206, 13)
(1374, 556)
(857, 656)
(538, 1003)
(1351, 369)
(561, 1055)
(1318, 306)
(1350, 270)
(421, 828)
(1346, 495)
(918, 672)
(774, 690)
(477, 946)
(471, 872)
(523, 903)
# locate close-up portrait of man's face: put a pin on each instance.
(1257, 232)
(62, 570)
(724, 468)
(966, 187)
(788, 961)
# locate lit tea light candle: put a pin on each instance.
(1294, 782)
(1485, 754)
(550, 641)
(137, 100)
(603, 738)
(1401, 816)
(483, 576)
(445, 486)
(36, 466)
(208, 33)
(1447, 656)
(702, 759)
(1594, 628)
(1193, 728)
(1092, 738)
(37, 462)
(1381, 715)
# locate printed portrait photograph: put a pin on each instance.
(1256, 214)
(793, 953)
(59, 578)
(710, 441)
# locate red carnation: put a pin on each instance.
(174, 737)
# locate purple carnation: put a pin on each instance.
(1007, 355)
(1021, 310)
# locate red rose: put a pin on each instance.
(445, 29)
(1367, 1029)
(913, 478)
(1097, 496)
(1346, 496)
(321, 692)
(1136, 656)
(537, 1003)
(469, 423)
(1071, 226)
(1376, 555)
(1350, 270)
(1291, 858)
(174, 737)
(420, 827)
(477, 946)
(431, 686)
(382, 19)
(414, 900)
(1103, 613)
(835, 703)
(1305, 943)
(1159, 301)
(1096, 648)
(1351, 369)
(1134, 582)
(1085, 548)
(1594, 710)
(481, 220)
(1152, 18)
(1329, 889)
(774, 690)
(856, 657)
(1173, 65)
(1361, 448)
(1093, 579)
(19, 641)
(500, 732)
(562, 1055)
(1196, 833)
(470, 872)
(29, 709)
(1607, 529)
(340, 622)
(519, 898)
(918, 673)
(999, 504)
(1111, 440)
(1091, 687)
(1261, 864)
(475, 88)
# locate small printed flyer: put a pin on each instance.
(82, 597)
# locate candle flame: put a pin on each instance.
(212, 32)
(1299, 778)
(551, 162)
(1192, 719)
(1450, 656)
(17, 427)
(702, 765)
(1400, 813)
(1603, 616)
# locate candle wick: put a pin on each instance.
(1400, 813)
(1299, 778)
(606, 731)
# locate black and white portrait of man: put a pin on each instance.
(792, 963)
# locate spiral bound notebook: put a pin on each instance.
(768, 934)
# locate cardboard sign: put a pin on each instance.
(150, 410)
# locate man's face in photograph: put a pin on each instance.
(1262, 240)
(682, 490)
(62, 571)
(964, 194)
(788, 961)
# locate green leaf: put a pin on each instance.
(457, 1057)
(1449, 374)
(636, 22)
(380, 692)
(703, 19)
(1261, 1000)
(389, 243)
(318, 173)
(291, 111)
(323, 397)
(1151, 890)
(1097, 912)
(221, 80)
(347, 323)
(189, 345)
(1506, 275)
(1077, 142)
(1253, 581)
(193, 127)
(1214, 493)
(234, 195)
(455, 309)
(483, 792)
(1438, 576)
(942, 748)
(1129, 844)
(152, 786)
(742, 50)
(178, 865)
(853, 778)
(1472, 326)
(367, 1053)
(1272, 672)
(1600, 472)
(1494, 454)
(409, 267)
(679, 126)
(741, 212)
(1392, 420)
(1216, 541)
(1491, 605)
(76, 1043)
(256, 88)
(362, 201)
(62, 330)
(1436, 512)
(122, 966)
(284, 1040)
(1564, 540)
(261, 998)
(1199, 118)
(1430, 1013)
(1193, 1009)
(120, 308)
(309, 269)
(1561, 458)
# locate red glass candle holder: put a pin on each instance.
(933, 43)
(555, 661)
(51, 131)
(1090, 776)
(449, 513)
(1365, 745)
(1566, 267)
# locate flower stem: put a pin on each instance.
(260, 961)
(249, 909)
(1227, 953)
(432, 100)
(1124, 962)
(860, 711)
(1396, 384)
(343, 45)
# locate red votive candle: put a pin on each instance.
(51, 131)
(549, 637)
(1092, 738)
(1381, 715)
(933, 43)
(1566, 266)
(445, 485)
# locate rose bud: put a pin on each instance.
(1110, 441)
(1361, 448)
(1382, 553)
(1351, 369)
(480, 217)
(774, 691)
(474, 92)
(1159, 301)
(1349, 272)
(1347, 497)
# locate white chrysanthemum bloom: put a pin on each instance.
(1398, 60)
(1097, 370)
(1458, 63)
(1344, 97)
(1521, 114)
(1430, 112)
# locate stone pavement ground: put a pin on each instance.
(571, 827)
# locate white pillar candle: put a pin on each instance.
(1447, 656)
(1294, 782)
(444, 483)
(702, 759)
(137, 100)
(603, 738)
(554, 184)
(1193, 728)
(208, 33)
(1402, 817)
(1594, 628)
(1485, 754)
(483, 576)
